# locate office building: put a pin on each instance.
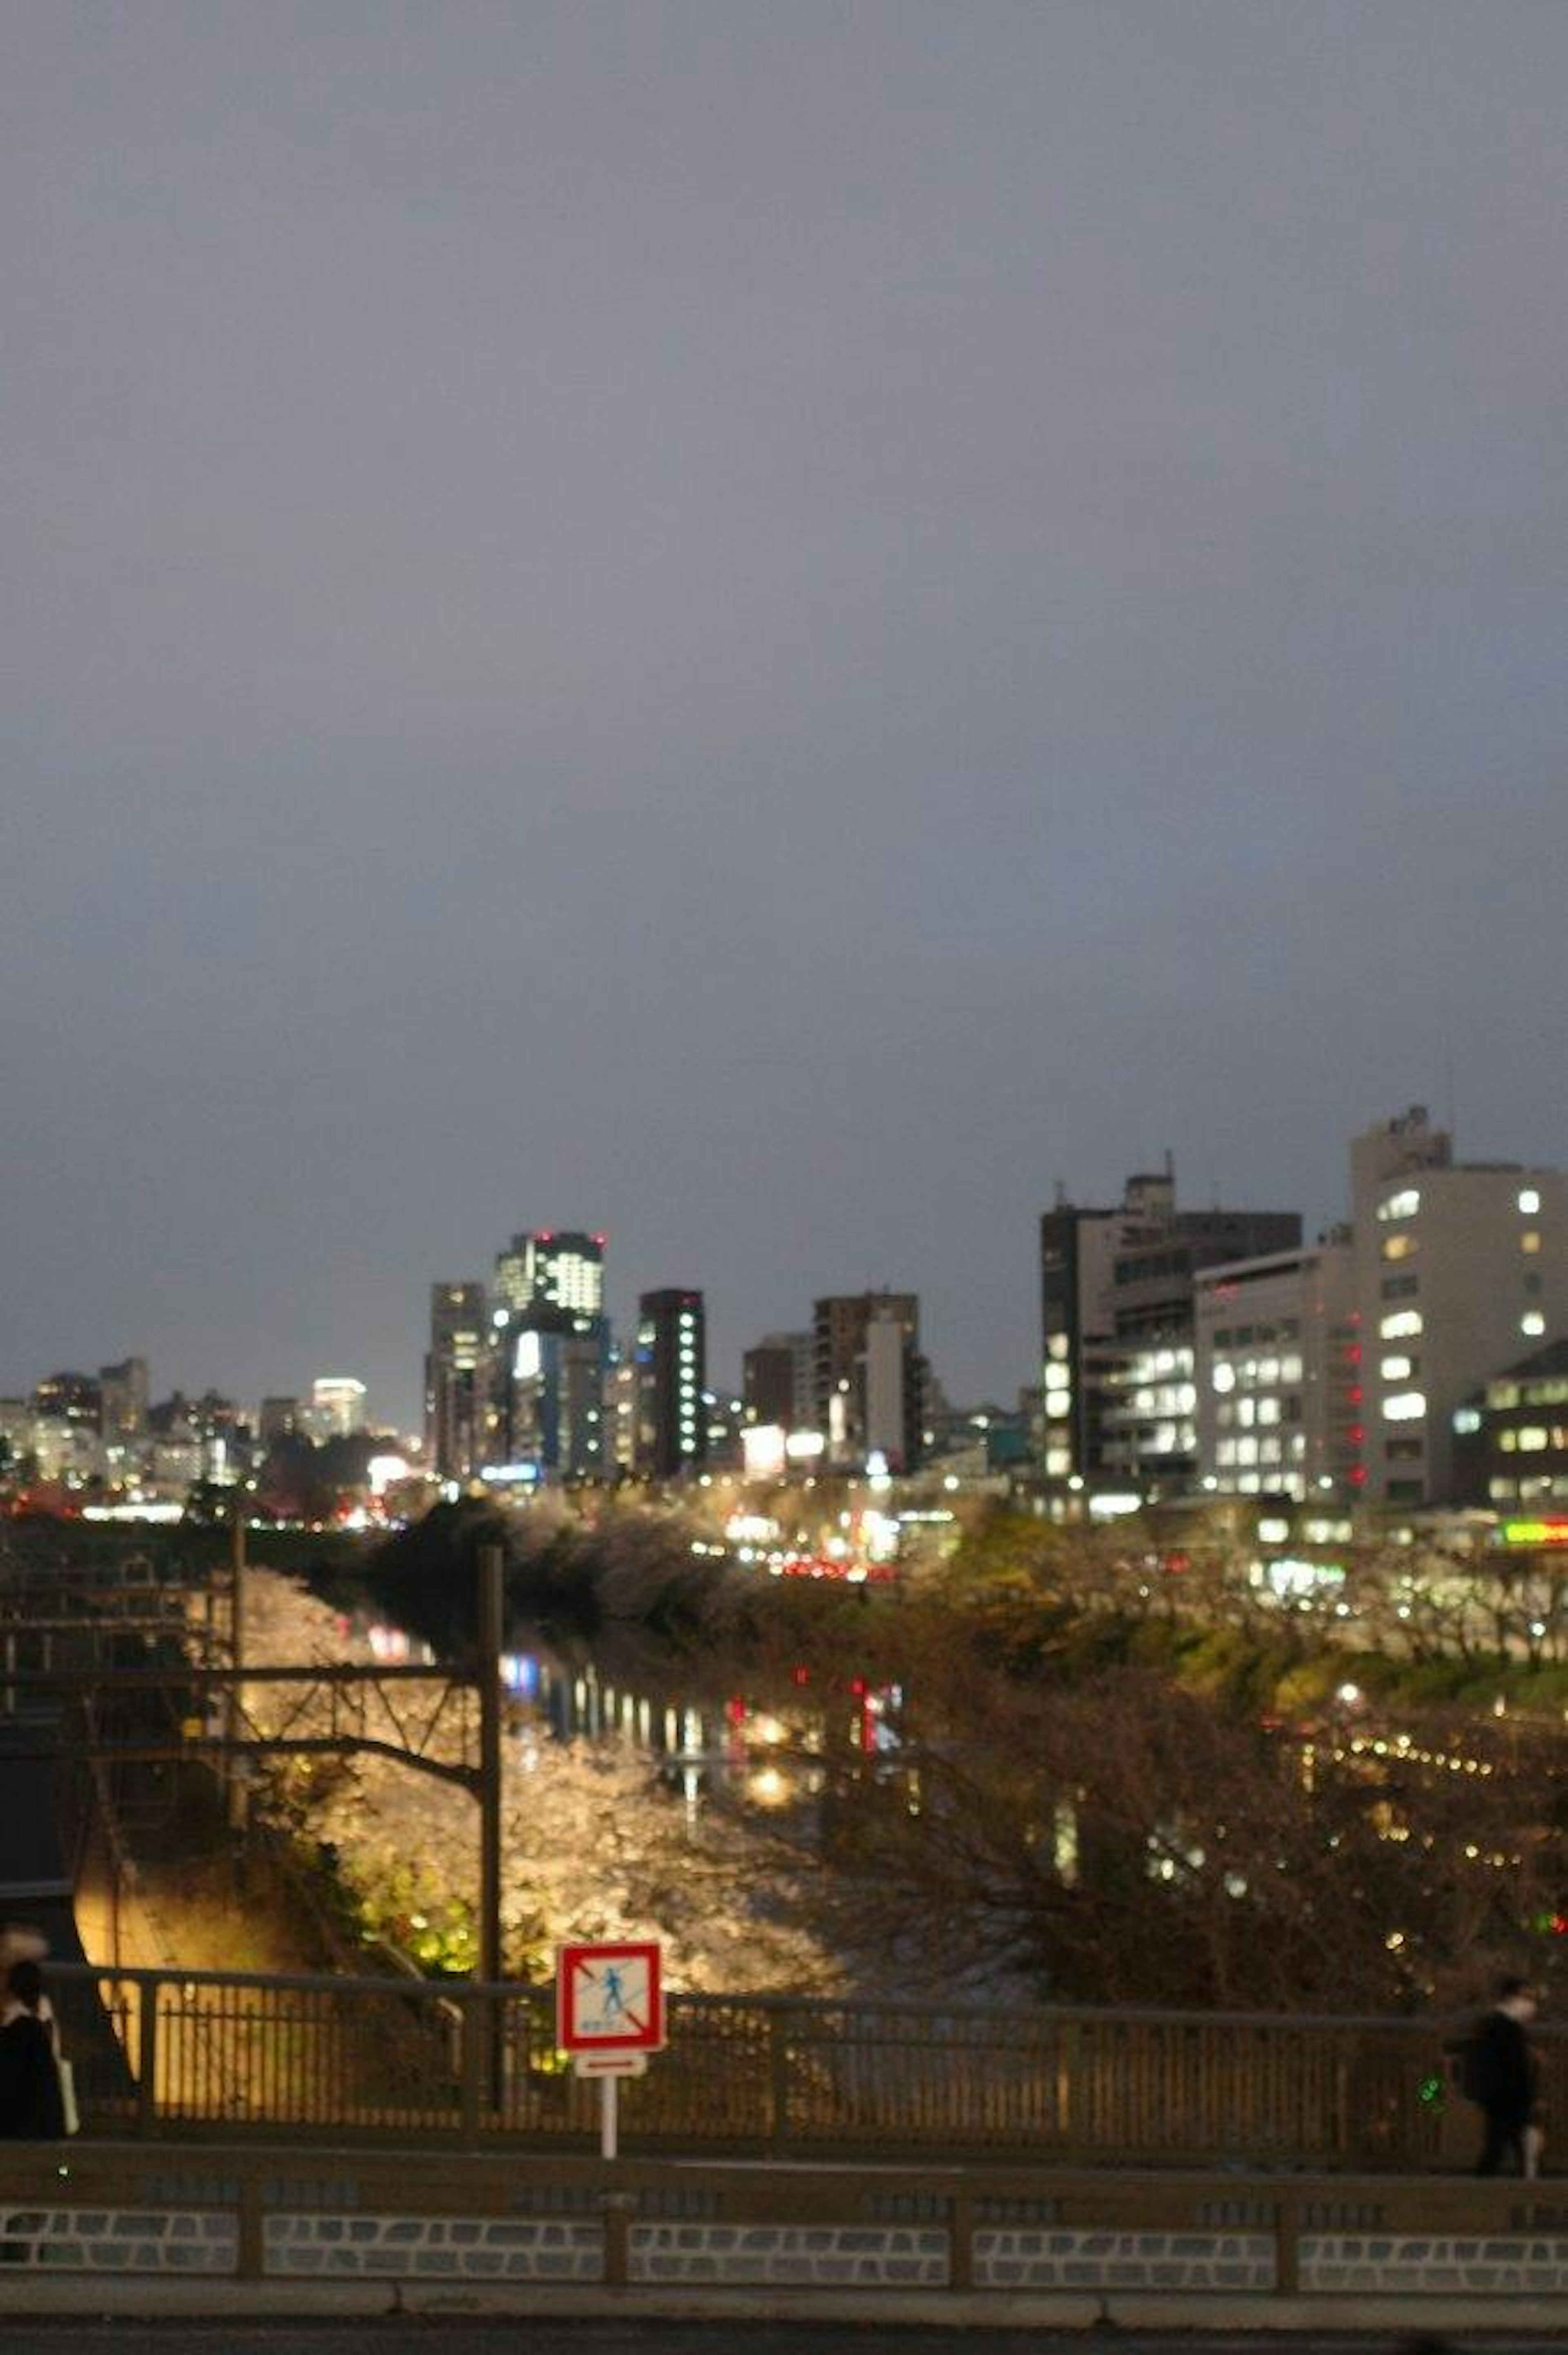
(1278, 1374)
(671, 1350)
(776, 1384)
(122, 1394)
(457, 1363)
(337, 1406)
(280, 1418)
(555, 1366)
(69, 1397)
(869, 1380)
(1460, 1267)
(552, 1269)
(551, 1341)
(1510, 1441)
(1119, 1333)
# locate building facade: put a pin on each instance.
(672, 1377)
(1461, 1267)
(1510, 1441)
(869, 1380)
(777, 1381)
(457, 1380)
(1117, 1319)
(1279, 1375)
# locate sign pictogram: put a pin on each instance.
(609, 1999)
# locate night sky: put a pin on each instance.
(768, 628)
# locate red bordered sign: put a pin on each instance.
(610, 1998)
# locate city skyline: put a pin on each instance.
(766, 642)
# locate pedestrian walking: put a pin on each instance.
(1498, 2072)
(32, 2101)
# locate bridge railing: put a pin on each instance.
(164, 2053)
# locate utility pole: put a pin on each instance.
(491, 1560)
(486, 2019)
(233, 1710)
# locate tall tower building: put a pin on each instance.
(671, 1354)
(552, 1343)
(552, 1269)
(456, 1384)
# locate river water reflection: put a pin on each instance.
(765, 1745)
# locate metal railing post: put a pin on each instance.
(147, 2055)
(477, 2033)
(961, 2241)
(778, 2078)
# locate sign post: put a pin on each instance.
(610, 2015)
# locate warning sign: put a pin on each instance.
(610, 1998)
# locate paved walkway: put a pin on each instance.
(215, 2317)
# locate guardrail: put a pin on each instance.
(162, 2053)
(457, 2218)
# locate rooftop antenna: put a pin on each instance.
(1451, 1105)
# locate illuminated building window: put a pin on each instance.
(1530, 1240)
(1401, 1325)
(1405, 1406)
(1403, 1205)
(1529, 1202)
(1399, 1246)
(1532, 1324)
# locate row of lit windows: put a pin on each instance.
(1249, 1371)
(1243, 1414)
(1534, 1438)
(1552, 1393)
(1270, 1449)
(1405, 1203)
(1509, 1492)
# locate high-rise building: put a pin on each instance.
(456, 1380)
(337, 1406)
(1278, 1372)
(620, 1412)
(1461, 1267)
(552, 1269)
(552, 1346)
(556, 1380)
(280, 1418)
(777, 1380)
(869, 1377)
(671, 1351)
(1117, 1327)
(122, 1391)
